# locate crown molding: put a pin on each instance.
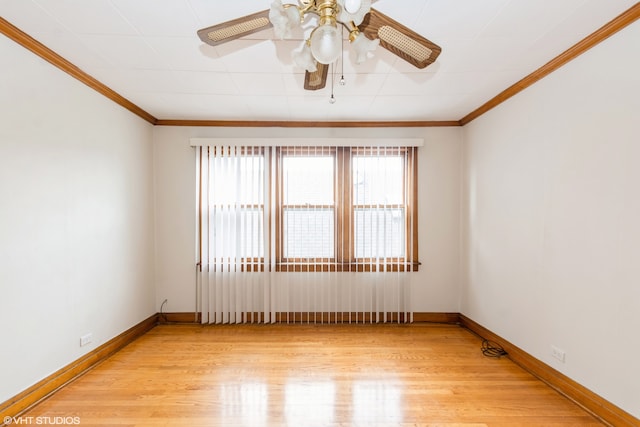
(623, 20)
(58, 61)
(306, 124)
(606, 31)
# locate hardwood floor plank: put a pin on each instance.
(342, 375)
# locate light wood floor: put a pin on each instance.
(306, 375)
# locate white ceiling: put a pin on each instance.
(148, 52)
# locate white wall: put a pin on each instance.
(553, 219)
(436, 285)
(76, 219)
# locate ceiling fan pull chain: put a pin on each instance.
(342, 80)
(332, 100)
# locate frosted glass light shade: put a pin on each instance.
(284, 20)
(304, 59)
(352, 6)
(326, 44)
(363, 47)
(353, 10)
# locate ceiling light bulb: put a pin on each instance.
(332, 100)
(326, 43)
(342, 81)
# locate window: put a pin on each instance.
(346, 209)
(379, 205)
(308, 205)
(234, 207)
(309, 208)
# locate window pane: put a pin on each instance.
(308, 233)
(307, 180)
(379, 233)
(237, 233)
(378, 180)
(237, 180)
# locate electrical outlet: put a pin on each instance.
(86, 339)
(557, 353)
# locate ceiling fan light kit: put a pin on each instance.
(367, 29)
(325, 40)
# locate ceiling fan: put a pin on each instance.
(367, 28)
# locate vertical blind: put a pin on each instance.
(306, 234)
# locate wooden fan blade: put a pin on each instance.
(232, 30)
(317, 79)
(399, 40)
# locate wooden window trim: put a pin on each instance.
(344, 230)
(297, 264)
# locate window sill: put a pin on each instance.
(318, 267)
(327, 267)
